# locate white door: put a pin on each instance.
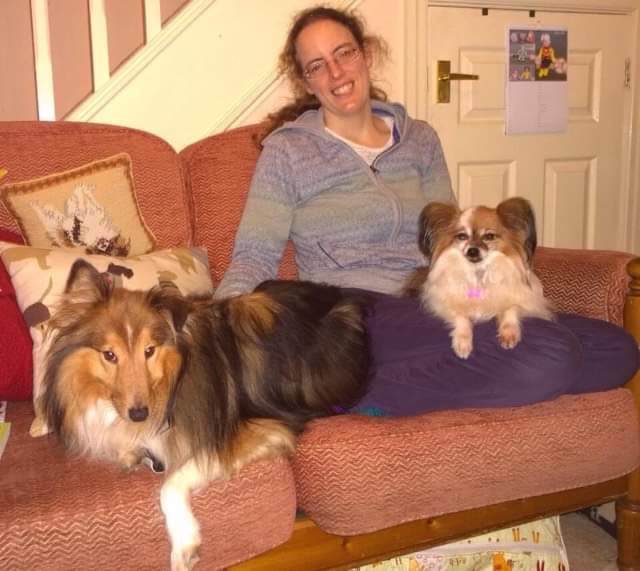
(574, 179)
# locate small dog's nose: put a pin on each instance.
(473, 253)
(139, 414)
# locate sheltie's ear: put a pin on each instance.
(85, 284)
(168, 300)
(517, 214)
(435, 218)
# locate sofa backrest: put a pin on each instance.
(31, 149)
(218, 173)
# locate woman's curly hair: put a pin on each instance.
(289, 65)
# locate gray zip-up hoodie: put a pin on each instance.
(352, 224)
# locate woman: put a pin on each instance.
(345, 175)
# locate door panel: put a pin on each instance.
(573, 179)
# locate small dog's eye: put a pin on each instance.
(489, 236)
(149, 351)
(461, 236)
(110, 356)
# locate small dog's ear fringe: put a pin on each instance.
(86, 284)
(434, 219)
(517, 214)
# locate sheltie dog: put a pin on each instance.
(199, 386)
(479, 268)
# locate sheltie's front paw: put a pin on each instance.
(183, 528)
(38, 427)
(185, 546)
(185, 557)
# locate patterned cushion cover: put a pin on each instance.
(92, 207)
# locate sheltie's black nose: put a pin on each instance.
(473, 254)
(139, 414)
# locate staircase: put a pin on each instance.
(210, 68)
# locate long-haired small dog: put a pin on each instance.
(479, 269)
(199, 386)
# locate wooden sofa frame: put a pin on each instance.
(312, 549)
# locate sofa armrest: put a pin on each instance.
(632, 305)
(592, 283)
(632, 325)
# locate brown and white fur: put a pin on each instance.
(199, 386)
(480, 269)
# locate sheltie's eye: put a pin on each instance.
(461, 236)
(489, 236)
(149, 351)
(110, 356)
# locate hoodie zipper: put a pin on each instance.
(391, 196)
(373, 173)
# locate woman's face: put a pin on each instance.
(334, 68)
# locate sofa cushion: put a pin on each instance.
(92, 208)
(15, 343)
(219, 170)
(69, 513)
(30, 149)
(39, 276)
(361, 474)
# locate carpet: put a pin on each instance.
(589, 547)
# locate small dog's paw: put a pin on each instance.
(509, 335)
(185, 558)
(462, 345)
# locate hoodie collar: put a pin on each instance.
(312, 121)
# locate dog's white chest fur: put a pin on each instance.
(461, 292)
(100, 432)
(455, 285)
(483, 290)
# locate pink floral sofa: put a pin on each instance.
(368, 487)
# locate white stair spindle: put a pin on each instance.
(43, 65)
(152, 19)
(99, 43)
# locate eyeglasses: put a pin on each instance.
(343, 56)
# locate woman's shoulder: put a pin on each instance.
(408, 126)
(294, 146)
(302, 128)
(420, 128)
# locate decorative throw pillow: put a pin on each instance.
(92, 208)
(15, 344)
(39, 276)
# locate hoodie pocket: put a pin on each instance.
(356, 256)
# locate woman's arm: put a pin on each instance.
(436, 182)
(265, 224)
